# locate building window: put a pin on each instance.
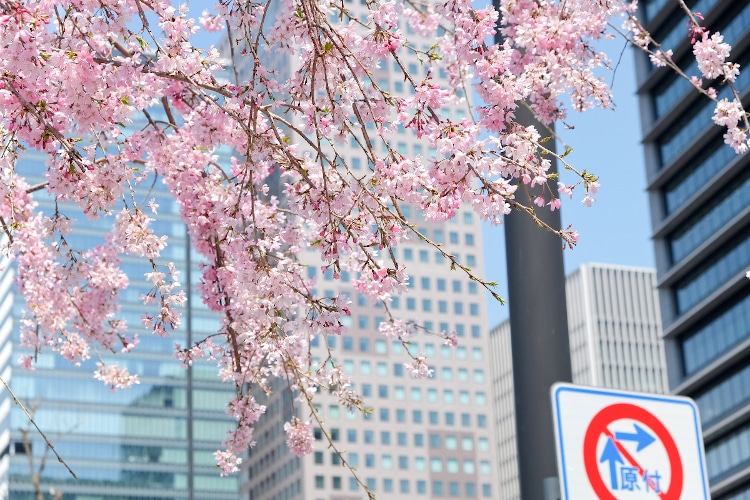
(384, 415)
(411, 304)
(429, 350)
(433, 417)
(476, 331)
(437, 488)
(436, 465)
(469, 239)
(385, 438)
(484, 467)
(451, 443)
(381, 346)
(483, 444)
(319, 457)
(487, 491)
(435, 441)
(432, 395)
(451, 465)
(453, 237)
(425, 283)
(416, 416)
(401, 438)
(383, 391)
(353, 484)
(366, 390)
(320, 482)
(353, 459)
(401, 416)
(369, 437)
(473, 287)
(403, 486)
(458, 307)
(408, 254)
(399, 393)
(443, 306)
(369, 460)
(418, 440)
(471, 490)
(362, 322)
(450, 418)
(336, 480)
(388, 485)
(386, 462)
(419, 464)
(422, 487)
(440, 285)
(416, 394)
(448, 396)
(480, 398)
(453, 489)
(370, 481)
(445, 352)
(403, 462)
(463, 375)
(467, 443)
(347, 343)
(479, 376)
(427, 305)
(465, 420)
(364, 345)
(474, 309)
(446, 373)
(424, 256)
(481, 421)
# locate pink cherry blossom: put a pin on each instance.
(253, 140)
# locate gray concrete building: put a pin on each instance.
(615, 342)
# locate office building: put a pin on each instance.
(428, 438)
(152, 441)
(425, 438)
(614, 329)
(698, 189)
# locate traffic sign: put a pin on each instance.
(617, 445)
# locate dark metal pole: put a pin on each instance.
(539, 338)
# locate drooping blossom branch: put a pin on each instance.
(117, 96)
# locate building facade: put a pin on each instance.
(698, 189)
(153, 441)
(615, 342)
(426, 437)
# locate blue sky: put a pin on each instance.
(617, 228)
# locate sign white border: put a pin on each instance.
(632, 397)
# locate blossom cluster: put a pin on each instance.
(292, 83)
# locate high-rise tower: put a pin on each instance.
(154, 440)
(699, 196)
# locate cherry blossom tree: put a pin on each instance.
(75, 76)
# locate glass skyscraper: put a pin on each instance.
(699, 194)
(152, 441)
